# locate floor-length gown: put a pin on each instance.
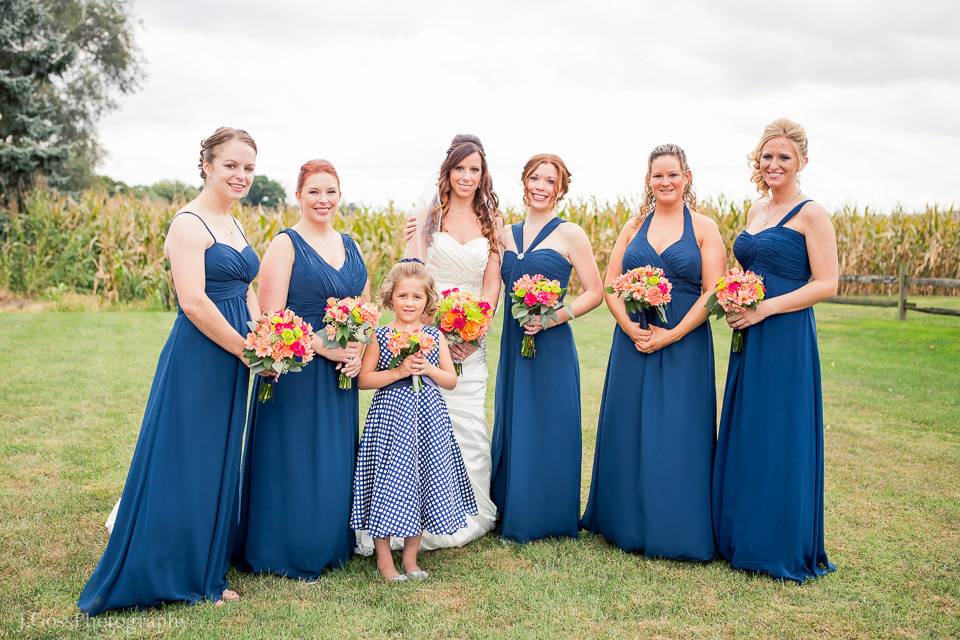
(536, 446)
(170, 541)
(650, 489)
(300, 447)
(768, 471)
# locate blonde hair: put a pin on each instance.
(649, 198)
(562, 171)
(779, 128)
(410, 269)
(223, 134)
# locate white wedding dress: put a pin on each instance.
(462, 265)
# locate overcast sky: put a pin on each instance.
(379, 88)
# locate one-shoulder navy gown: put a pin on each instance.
(650, 490)
(170, 541)
(768, 472)
(536, 446)
(298, 462)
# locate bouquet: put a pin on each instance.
(736, 290)
(348, 320)
(279, 342)
(402, 344)
(534, 296)
(641, 289)
(463, 318)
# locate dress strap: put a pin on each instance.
(240, 230)
(201, 222)
(646, 223)
(687, 222)
(785, 219)
(544, 232)
(517, 230)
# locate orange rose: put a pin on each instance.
(447, 320)
(470, 331)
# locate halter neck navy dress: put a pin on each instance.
(299, 456)
(650, 490)
(536, 446)
(170, 541)
(768, 473)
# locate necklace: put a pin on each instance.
(768, 214)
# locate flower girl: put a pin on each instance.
(410, 476)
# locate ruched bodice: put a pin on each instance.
(779, 254)
(680, 262)
(453, 264)
(532, 261)
(313, 279)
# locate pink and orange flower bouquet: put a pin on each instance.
(534, 296)
(402, 344)
(348, 320)
(736, 290)
(463, 318)
(643, 288)
(281, 342)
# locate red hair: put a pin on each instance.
(311, 167)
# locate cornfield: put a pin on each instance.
(112, 246)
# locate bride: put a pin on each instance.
(457, 237)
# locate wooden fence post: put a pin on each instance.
(902, 294)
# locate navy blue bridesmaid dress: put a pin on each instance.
(171, 538)
(300, 448)
(650, 490)
(768, 472)
(536, 446)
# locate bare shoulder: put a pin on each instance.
(573, 231)
(281, 243)
(703, 223)
(187, 229)
(813, 210)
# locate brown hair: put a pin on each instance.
(485, 201)
(649, 199)
(311, 167)
(779, 128)
(547, 158)
(410, 269)
(223, 134)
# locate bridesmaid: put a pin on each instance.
(650, 490)
(768, 473)
(536, 446)
(170, 541)
(298, 465)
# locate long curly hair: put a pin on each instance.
(486, 205)
(779, 128)
(649, 198)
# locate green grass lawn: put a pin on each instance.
(70, 412)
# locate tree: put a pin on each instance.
(265, 192)
(62, 65)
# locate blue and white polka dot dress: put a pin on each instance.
(410, 476)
